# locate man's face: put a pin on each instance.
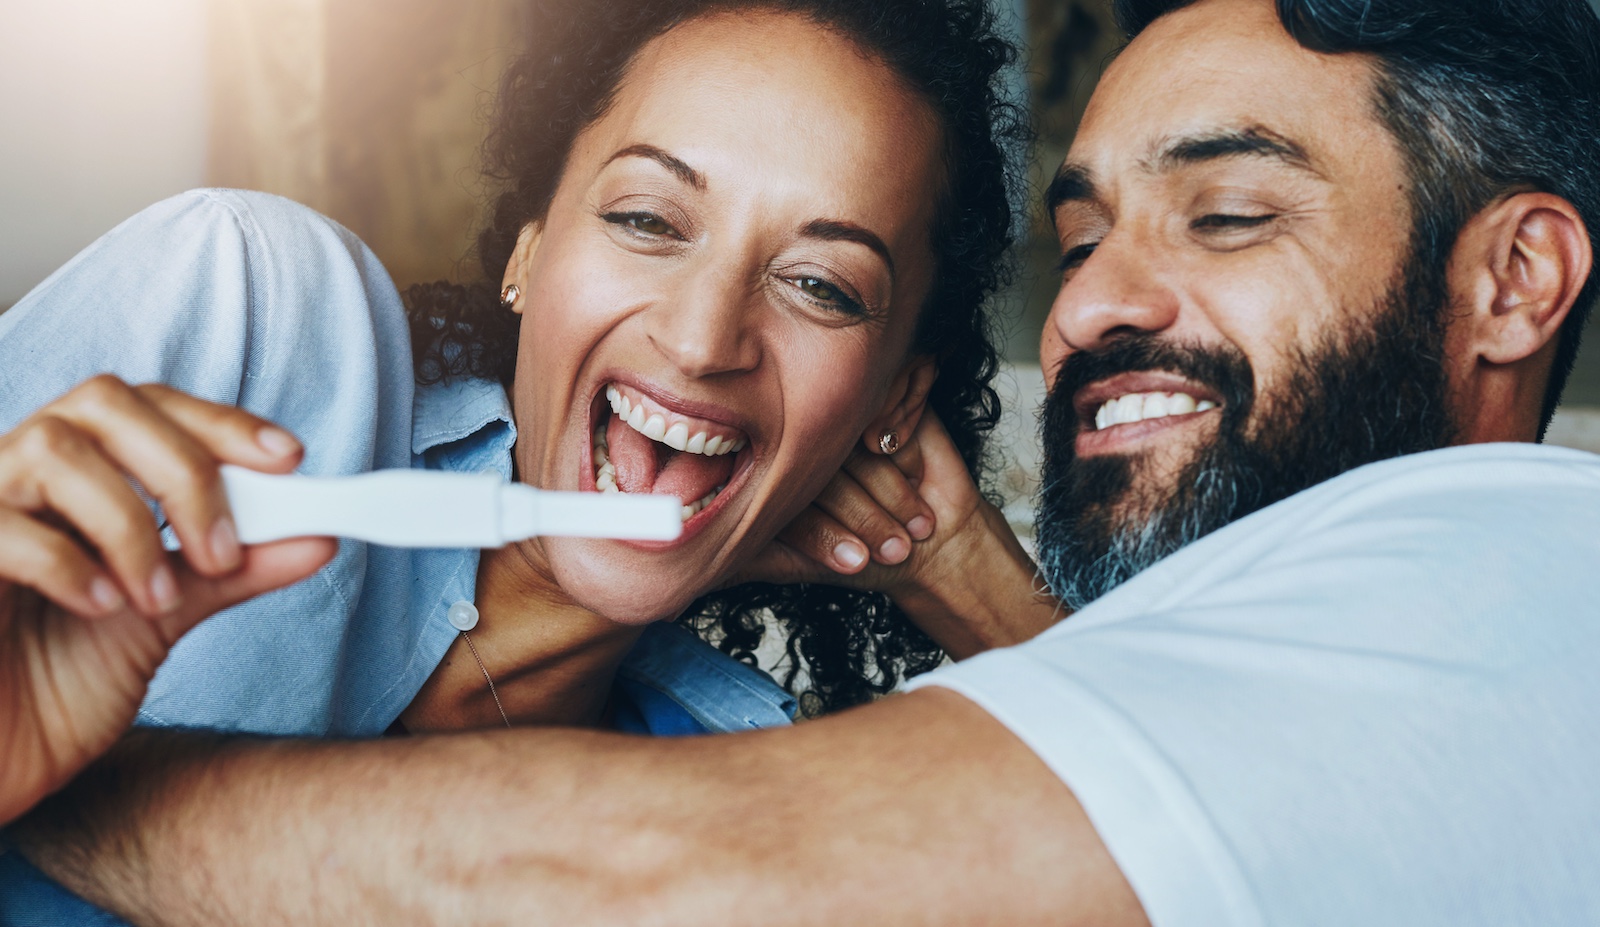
(1239, 316)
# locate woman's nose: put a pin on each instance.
(706, 328)
(1116, 291)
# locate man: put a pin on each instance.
(1307, 690)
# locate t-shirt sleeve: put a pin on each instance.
(1370, 704)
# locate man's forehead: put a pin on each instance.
(1201, 81)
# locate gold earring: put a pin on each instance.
(888, 442)
(509, 296)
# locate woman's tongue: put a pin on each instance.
(647, 466)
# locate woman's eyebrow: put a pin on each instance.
(839, 230)
(676, 165)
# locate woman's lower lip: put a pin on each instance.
(1125, 438)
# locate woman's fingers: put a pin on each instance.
(171, 444)
(231, 434)
(891, 482)
(865, 516)
(816, 534)
(53, 467)
(36, 555)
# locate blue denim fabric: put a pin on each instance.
(256, 301)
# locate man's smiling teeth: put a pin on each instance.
(1141, 407)
(653, 425)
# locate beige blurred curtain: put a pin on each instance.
(371, 111)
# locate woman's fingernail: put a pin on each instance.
(894, 550)
(225, 543)
(164, 588)
(107, 597)
(850, 554)
(277, 442)
(920, 527)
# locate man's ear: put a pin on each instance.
(521, 259)
(1519, 267)
(902, 410)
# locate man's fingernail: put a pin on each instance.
(225, 543)
(107, 597)
(850, 554)
(277, 442)
(894, 550)
(164, 588)
(920, 527)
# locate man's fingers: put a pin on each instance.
(38, 556)
(266, 567)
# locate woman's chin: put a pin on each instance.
(629, 597)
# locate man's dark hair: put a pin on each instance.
(1485, 98)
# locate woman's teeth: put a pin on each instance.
(653, 425)
(1141, 407)
(605, 475)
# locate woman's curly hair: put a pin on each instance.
(846, 646)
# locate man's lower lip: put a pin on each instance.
(1119, 438)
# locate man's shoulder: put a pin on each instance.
(1401, 657)
(1397, 531)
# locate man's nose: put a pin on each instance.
(1117, 291)
(707, 327)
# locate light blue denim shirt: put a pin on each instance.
(256, 301)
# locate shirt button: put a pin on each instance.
(463, 616)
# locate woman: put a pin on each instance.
(770, 224)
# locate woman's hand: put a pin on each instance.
(913, 525)
(90, 602)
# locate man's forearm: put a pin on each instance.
(920, 809)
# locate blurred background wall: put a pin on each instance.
(368, 110)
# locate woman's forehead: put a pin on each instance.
(776, 101)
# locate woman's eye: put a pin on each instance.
(827, 294)
(642, 222)
(1224, 222)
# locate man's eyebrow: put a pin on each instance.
(676, 165)
(838, 230)
(1073, 183)
(1252, 142)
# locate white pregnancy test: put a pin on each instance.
(429, 508)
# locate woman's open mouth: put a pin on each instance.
(641, 446)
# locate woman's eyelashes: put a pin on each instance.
(827, 295)
(649, 228)
(642, 225)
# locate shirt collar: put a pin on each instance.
(448, 412)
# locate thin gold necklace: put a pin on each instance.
(493, 694)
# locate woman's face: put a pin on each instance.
(734, 258)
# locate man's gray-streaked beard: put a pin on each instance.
(1362, 395)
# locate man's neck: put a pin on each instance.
(552, 661)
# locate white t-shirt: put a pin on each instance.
(1377, 702)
